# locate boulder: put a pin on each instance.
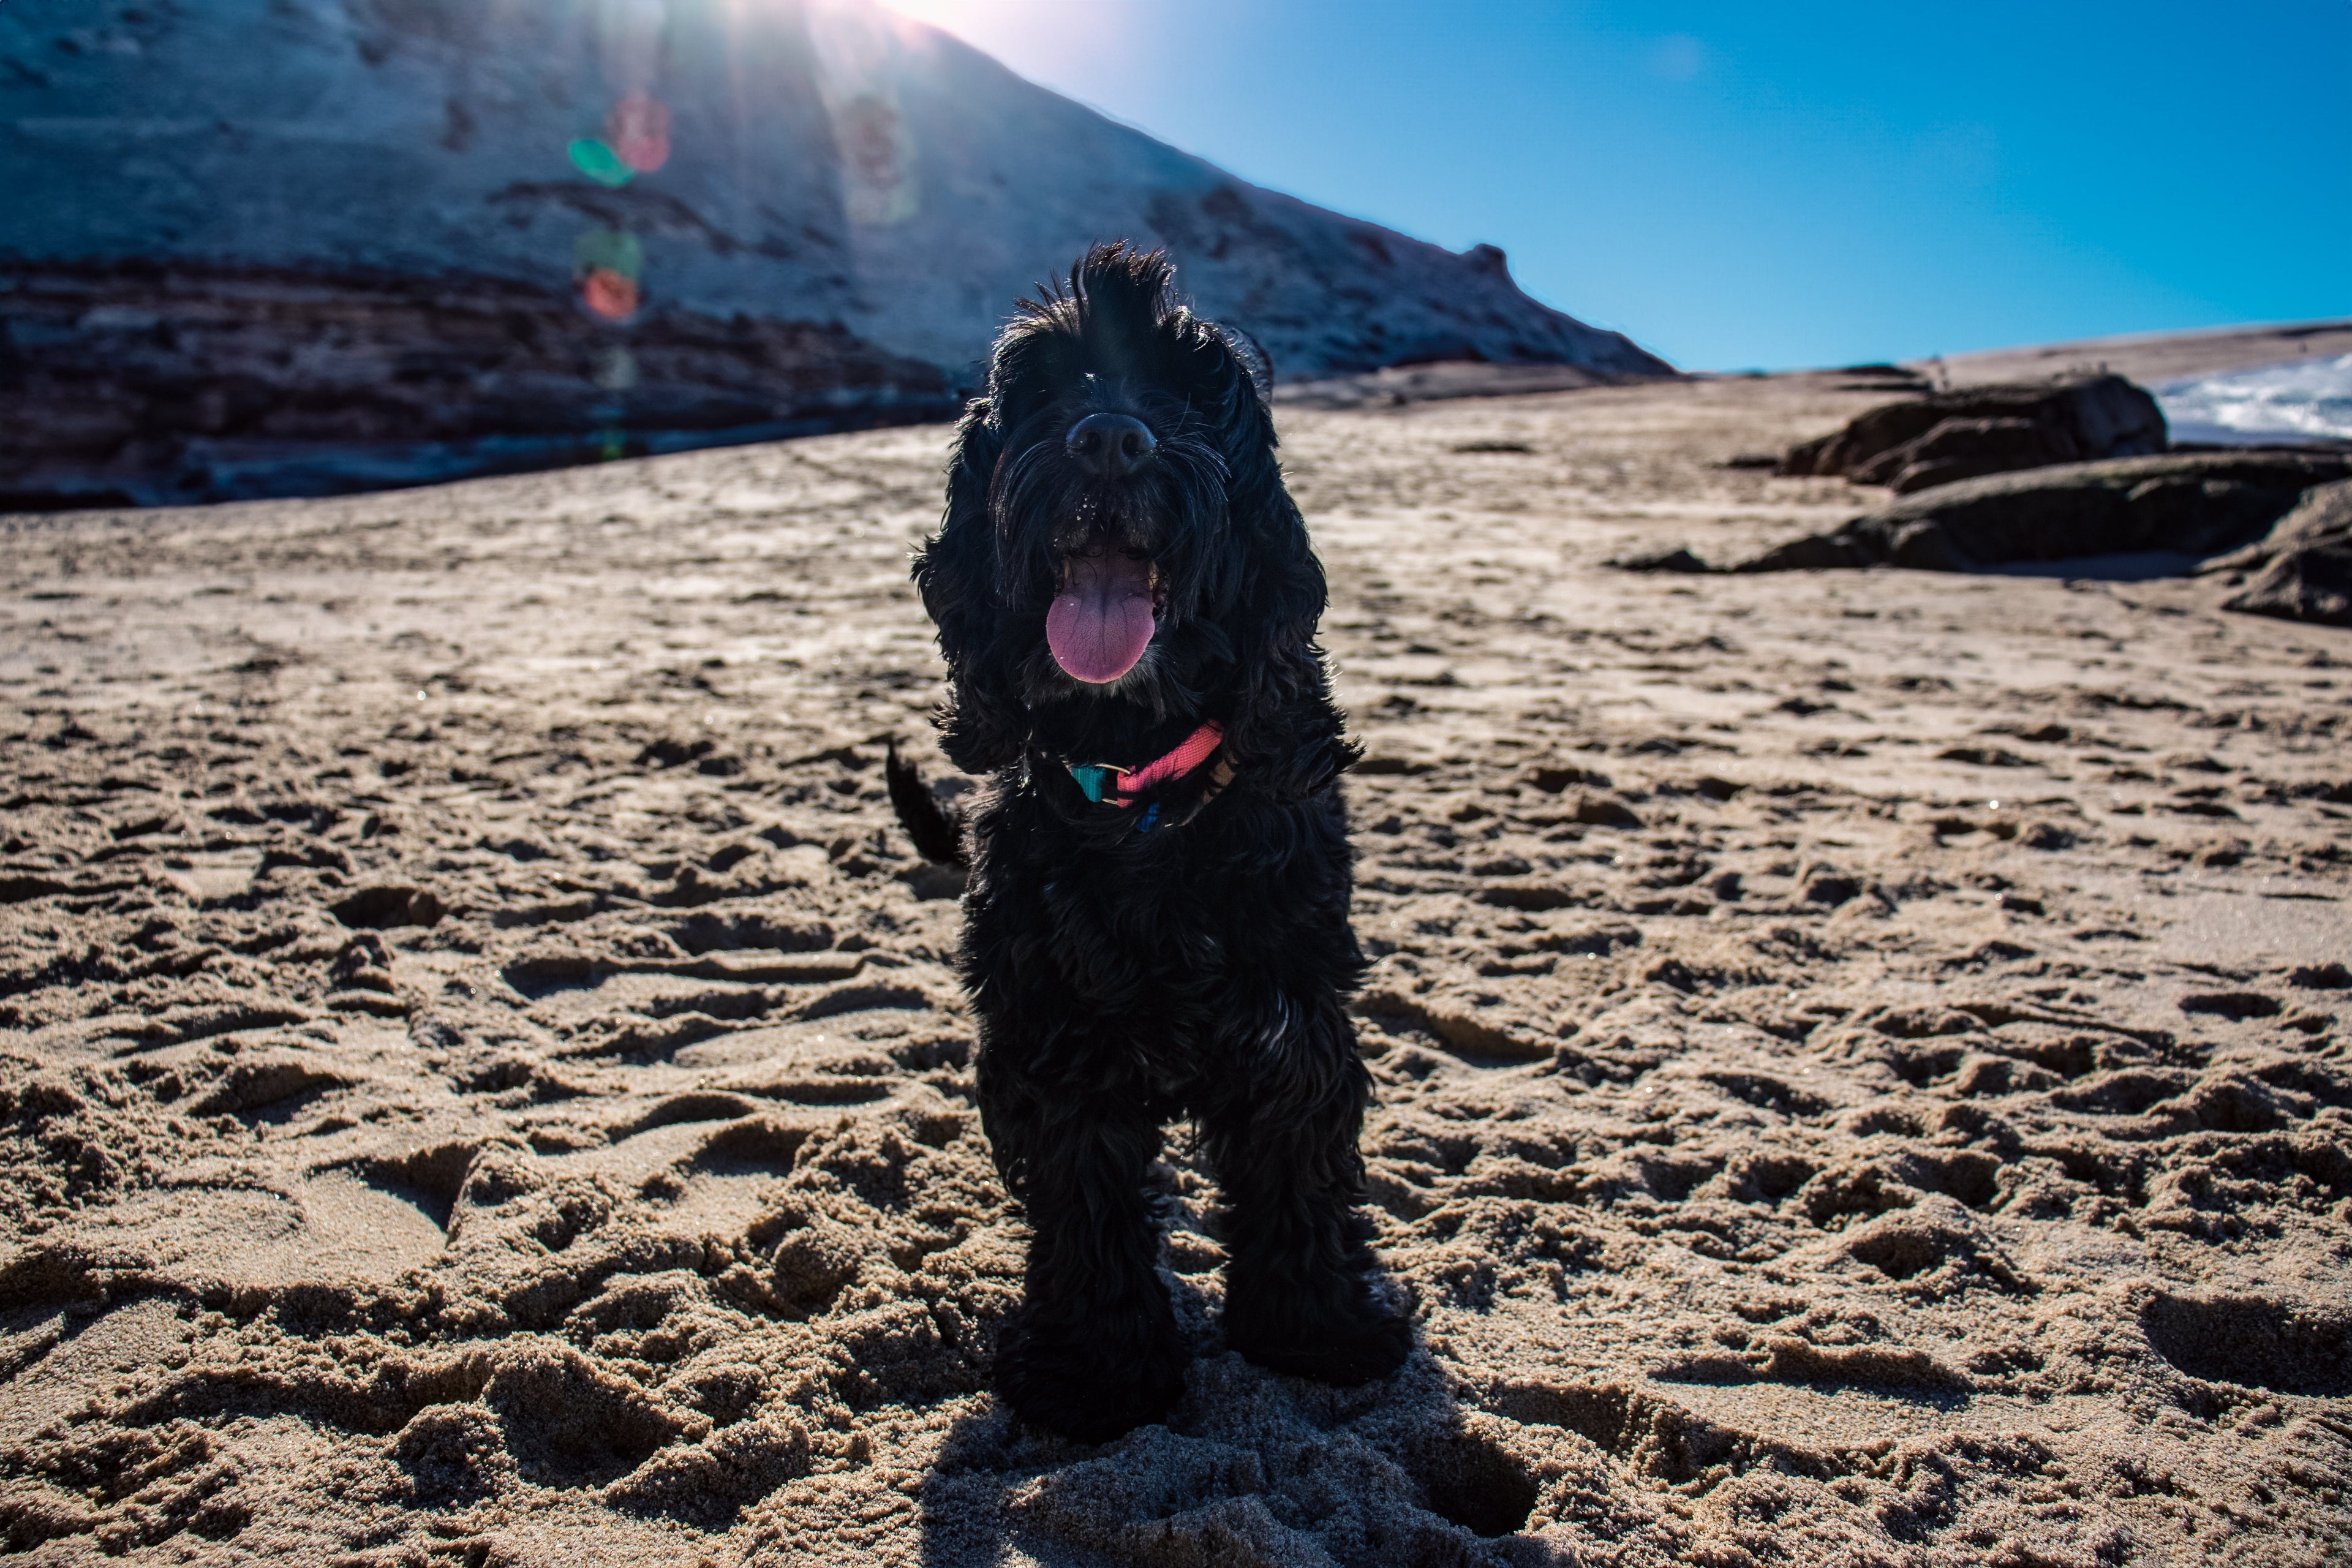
(1956, 450)
(1948, 437)
(2190, 504)
(2305, 562)
(2322, 516)
(1677, 558)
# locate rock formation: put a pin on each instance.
(2303, 567)
(262, 246)
(142, 383)
(1948, 437)
(2190, 504)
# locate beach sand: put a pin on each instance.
(1861, 1057)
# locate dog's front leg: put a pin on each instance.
(1094, 1349)
(1302, 1289)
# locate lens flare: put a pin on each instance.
(611, 249)
(608, 264)
(616, 368)
(609, 295)
(601, 163)
(632, 39)
(638, 133)
(859, 59)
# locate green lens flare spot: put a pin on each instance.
(609, 250)
(601, 163)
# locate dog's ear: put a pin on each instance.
(1277, 588)
(1251, 355)
(960, 576)
(1282, 673)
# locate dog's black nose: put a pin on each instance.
(1110, 446)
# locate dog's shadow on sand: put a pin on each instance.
(1250, 1466)
(993, 1470)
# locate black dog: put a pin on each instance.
(1157, 919)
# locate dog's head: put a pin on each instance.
(1117, 540)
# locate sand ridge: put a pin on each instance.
(1860, 1056)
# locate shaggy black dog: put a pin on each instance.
(1156, 926)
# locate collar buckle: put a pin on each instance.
(1094, 779)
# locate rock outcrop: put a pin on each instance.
(2190, 504)
(274, 246)
(1948, 437)
(2303, 569)
(144, 385)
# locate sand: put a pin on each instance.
(1860, 1056)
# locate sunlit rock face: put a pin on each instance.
(283, 246)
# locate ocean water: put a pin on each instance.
(2297, 400)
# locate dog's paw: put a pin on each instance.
(1366, 1340)
(1084, 1383)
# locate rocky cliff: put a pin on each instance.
(285, 246)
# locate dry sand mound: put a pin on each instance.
(1862, 1056)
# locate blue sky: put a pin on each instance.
(1763, 186)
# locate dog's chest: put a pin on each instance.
(1119, 932)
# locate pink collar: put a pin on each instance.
(1096, 780)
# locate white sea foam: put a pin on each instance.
(2297, 400)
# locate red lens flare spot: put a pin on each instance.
(637, 131)
(609, 294)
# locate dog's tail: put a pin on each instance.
(937, 832)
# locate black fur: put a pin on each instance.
(1124, 979)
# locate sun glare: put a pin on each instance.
(979, 22)
(951, 14)
(1056, 42)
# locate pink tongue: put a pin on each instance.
(1101, 622)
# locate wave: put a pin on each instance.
(2297, 400)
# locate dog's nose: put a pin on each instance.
(1110, 446)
